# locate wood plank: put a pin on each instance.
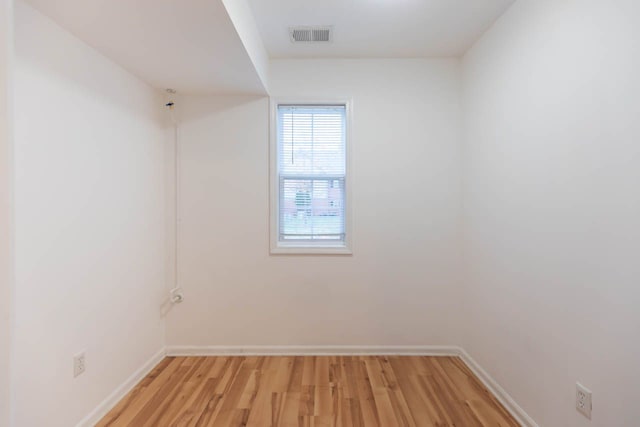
(337, 391)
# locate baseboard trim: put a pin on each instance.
(503, 397)
(304, 350)
(119, 393)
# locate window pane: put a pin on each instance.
(311, 171)
(311, 140)
(304, 216)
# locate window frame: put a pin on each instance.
(308, 248)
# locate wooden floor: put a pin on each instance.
(337, 391)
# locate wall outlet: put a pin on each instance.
(79, 363)
(583, 400)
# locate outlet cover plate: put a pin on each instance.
(79, 363)
(583, 400)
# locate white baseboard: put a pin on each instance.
(307, 350)
(103, 408)
(503, 397)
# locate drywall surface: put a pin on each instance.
(245, 25)
(552, 207)
(89, 223)
(6, 263)
(400, 286)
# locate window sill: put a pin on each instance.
(310, 250)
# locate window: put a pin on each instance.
(309, 178)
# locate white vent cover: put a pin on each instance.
(310, 34)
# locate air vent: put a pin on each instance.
(310, 34)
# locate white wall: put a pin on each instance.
(89, 223)
(552, 99)
(245, 25)
(400, 287)
(6, 276)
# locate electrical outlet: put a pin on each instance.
(583, 400)
(79, 363)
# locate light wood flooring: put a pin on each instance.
(339, 391)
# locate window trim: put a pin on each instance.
(306, 248)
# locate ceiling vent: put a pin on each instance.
(310, 34)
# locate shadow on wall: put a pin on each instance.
(70, 67)
(201, 106)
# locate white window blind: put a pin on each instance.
(311, 150)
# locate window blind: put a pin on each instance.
(311, 173)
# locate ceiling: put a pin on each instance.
(224, 46)
(377, 28)
(188, 45)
